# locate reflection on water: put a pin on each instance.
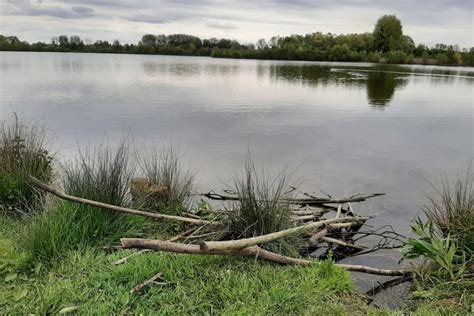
(380, 81)
(320, 119)
(381, 87)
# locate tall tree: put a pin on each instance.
(148, 40)
(387, 33)
(63, 40)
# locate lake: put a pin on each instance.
(338, 127)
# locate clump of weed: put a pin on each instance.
(260, 208)
(102, 175)
(451, 210)
(22, 152)
(165, 170)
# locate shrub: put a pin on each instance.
(396, 57)
(425, 57)
(22, 152)
(260, 209)
(374, 57)
(166, 170)
(442, 59)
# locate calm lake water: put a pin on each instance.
(341, 128)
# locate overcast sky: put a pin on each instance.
(428, 21)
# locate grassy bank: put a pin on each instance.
(88, 281)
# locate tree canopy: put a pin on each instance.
(388, 33)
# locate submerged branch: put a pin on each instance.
(310, 201)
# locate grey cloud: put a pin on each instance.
(147, 19)
(222, 26)
(82, 10)
(25, 7)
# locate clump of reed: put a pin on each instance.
(23, 152)
(451, 210)
(260, 208)
(165, 170)
(446, 238)
(102, 175)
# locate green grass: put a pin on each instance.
(432, 294)
(193, 285)
(67, 226)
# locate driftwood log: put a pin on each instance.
(241, 243)
(254, 251)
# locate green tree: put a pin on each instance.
(262, 44)
(63, 40)
(387, 33)
(148, 40)
(407, 44)
(75, 42)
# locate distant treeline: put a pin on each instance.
(386, 43)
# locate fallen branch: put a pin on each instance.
(246, 242)
(300, 201)
(341, 243)
(255, 251)
(146, 283)
(114, 208)
(319, 235)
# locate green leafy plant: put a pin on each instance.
(443, 251)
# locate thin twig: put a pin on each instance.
(147, 282)
(125, 259)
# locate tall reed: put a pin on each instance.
(165, 169)
(259, 209)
